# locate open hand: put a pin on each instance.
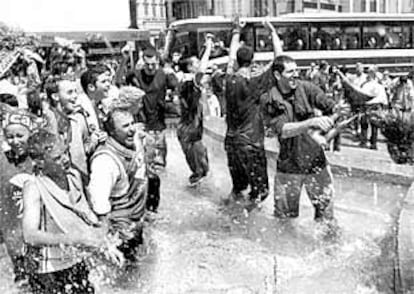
(322, 122)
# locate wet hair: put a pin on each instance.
(117, 106)
(244, 56)
(280, 61)
(90, 76)
(40, 143)
(51, 86)
(150, 52)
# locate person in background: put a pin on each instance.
(373, 88)
(321, 78)
(96, 84)
(311, 72)
(190, 127)
(211, 104)
(403, 97)
(154, 81)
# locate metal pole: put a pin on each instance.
(133, 14)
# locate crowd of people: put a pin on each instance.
(83, 144)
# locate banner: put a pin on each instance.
(7, 59)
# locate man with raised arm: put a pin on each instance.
(244, 142)
(190, 127)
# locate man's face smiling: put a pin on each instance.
(123, 129)
(102, 85)
(288, 78)
(68, 96)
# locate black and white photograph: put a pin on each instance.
(207, 146)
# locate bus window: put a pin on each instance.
(386, 36)
(294, 38)
(350, 37)
(335, 37)
(186, 43)
(263, 40)
(222, 39)
(247, 37)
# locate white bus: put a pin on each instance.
(341, 38)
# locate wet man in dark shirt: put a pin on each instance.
(301, 161)
(154, 81)
(244, 142)
(190, 127)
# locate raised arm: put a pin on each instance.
(207, 52)
(277, 44)
(234, 45)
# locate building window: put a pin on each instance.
(162, 11)
(154, 9)
(145, 7)
(327, 6)
(373, 6)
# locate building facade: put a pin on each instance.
(151, 16)
(182, 9)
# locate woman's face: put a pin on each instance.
(17, 136)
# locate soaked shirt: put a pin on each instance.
(155, 88)
(299, 154)
(190, 128)
(244, 117)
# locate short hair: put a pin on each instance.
(280, 61)
(116, 106)
(150, 52)
(245, 56)
(91, 75)
(51, 86)
(40, 143)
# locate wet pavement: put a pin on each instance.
(197, 245)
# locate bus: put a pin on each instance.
(386, 40)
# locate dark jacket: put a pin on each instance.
(300, 154)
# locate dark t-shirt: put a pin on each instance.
(244, 117)
(155, 88)
(190, 128)
(299, 154)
